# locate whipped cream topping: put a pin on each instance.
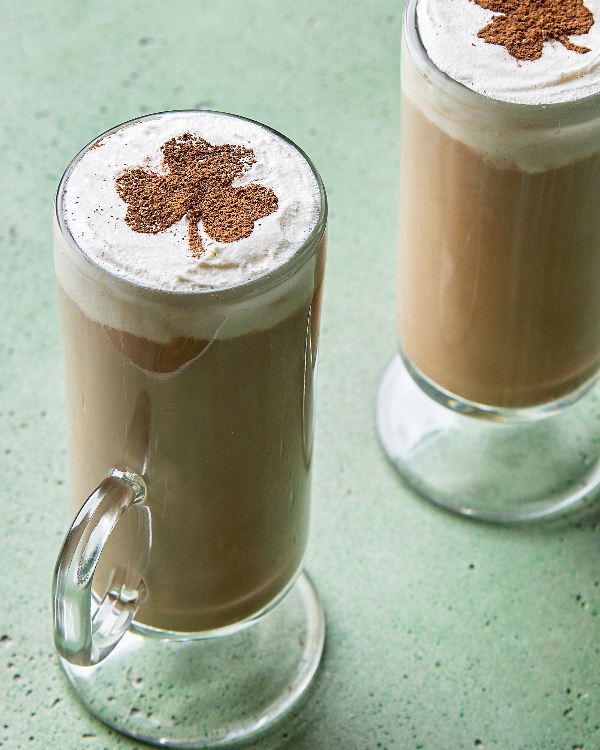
(95, 214)
(448, 30)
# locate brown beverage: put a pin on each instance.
(209, 394)
(499, 299)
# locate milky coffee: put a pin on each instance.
(189, 256)
(499, 298)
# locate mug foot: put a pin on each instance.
(504, 471)
(213, 691)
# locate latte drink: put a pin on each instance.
(189, 254)
(499, 291)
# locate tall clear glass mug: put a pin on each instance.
(498, 311)
(190, 423)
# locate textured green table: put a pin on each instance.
(442, 633)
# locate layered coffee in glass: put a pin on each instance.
(189, 255)
(487, 408)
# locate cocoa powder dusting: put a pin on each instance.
(525, 25)
(196, 182)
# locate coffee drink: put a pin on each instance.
(189, 257)
(499, 300)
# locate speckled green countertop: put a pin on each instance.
(442, 633)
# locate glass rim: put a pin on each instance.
(426, 66)
(260, 283)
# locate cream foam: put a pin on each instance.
(448, 29)
(508, 134)
(95, 214)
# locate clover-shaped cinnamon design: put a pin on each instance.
(196, 182)
(525, 25)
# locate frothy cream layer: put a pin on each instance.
(150, 285)
(449, 28)
(508, 134)
(160, 316)
(95, 214)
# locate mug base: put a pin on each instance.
(503, 471)
(209, 692)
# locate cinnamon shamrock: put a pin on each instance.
(196, 182)
(525, 25)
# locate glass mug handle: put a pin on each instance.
(79, 638)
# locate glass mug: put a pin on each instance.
(490, 407)
(195, 452)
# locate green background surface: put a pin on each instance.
(442, 633)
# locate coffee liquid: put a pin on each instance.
(227, 456)
(499, 300)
